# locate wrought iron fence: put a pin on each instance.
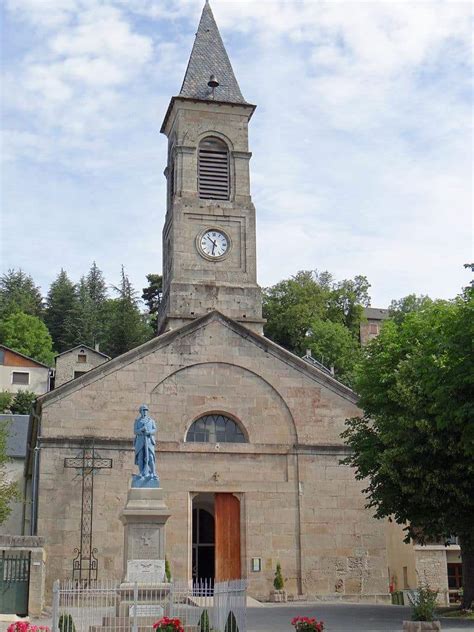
(110, 606)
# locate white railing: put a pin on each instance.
(111, 606)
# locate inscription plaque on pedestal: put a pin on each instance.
(145, 571)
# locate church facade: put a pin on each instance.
(248, 444)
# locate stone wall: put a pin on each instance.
(67, 363)
(299, 505)
(431, 567)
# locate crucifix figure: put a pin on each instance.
(84, 566)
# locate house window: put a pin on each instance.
(20, 378)
(213, 169)
(82, 358)
(79, 373)
(2, 356)
(215, 429)
(405, 577)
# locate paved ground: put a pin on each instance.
(339, 618)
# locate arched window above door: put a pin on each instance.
(213, 169)
(215, 428)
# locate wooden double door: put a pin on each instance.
(216, 538)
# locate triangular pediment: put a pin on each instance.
(169, 337)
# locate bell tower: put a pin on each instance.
(209, 244)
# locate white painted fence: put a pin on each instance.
(111, 606)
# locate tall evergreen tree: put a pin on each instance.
(18, 292)
(126, 326)
(152, 296)
(97, 291)
(61, 312)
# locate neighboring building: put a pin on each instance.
(19, 372)
(248, 448)
(438, 563)
(372, 323)
(17, 427)
(73, 363)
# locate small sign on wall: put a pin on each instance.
(256, 564)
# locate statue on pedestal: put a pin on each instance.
(144, 444)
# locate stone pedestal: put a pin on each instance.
(144, 518)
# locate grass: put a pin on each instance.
(454, 612)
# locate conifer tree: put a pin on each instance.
(126, 327)
(152, 296)
(18, 292)
(97, 291)
(61, 312)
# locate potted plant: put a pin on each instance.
(166, 624)
(423, 604)
(279, 594)
(307, 624)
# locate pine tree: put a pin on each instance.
(97, 290)
(152, 296)
(19, 293)
(126, 327)
(61, 312)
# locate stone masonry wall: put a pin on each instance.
(299, 506)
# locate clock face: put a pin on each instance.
(213, 243)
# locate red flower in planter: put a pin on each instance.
(166, 624)
(26, 626)
(307, 624)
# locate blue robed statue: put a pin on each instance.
(144, 429)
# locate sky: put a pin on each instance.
(362, 137)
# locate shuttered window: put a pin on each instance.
(213, 169)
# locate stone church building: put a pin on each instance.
(248, 446)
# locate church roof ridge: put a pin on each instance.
(209, 57)
(165, 338)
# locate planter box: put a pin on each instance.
(421, 626)
(278, 596)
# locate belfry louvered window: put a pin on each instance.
(213, 169)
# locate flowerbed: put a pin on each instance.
(168, 625)
(307, 624)
(26, 626)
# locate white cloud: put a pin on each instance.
(360, 141)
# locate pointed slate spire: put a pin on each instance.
(209, 57)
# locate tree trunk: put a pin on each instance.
(467, 555)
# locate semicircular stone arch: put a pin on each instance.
(203, 388)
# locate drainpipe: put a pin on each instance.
(35, 478)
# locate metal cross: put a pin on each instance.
(84, 565)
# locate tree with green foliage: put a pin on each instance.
(8, 490)
(312, 311)
(28, 335)
(97, 290)
(61, 312)
(22, 403)
(334, 346)
(414, 443)
(6, 399)
(18, 293)
(398, 309)
(126, 326)
(152, 295)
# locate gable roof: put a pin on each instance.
(376, 313)
(313, 372)
(104, 355)
(22, 355)
(209, 57)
